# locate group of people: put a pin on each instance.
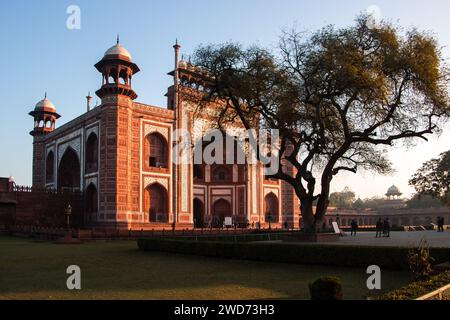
(440, 223)
(383, 228)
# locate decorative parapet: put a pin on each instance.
(161, 112)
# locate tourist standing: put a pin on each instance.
(379, 228)
(386, 228)
(440, 224)
(354, 227)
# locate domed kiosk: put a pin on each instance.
(45, 116)
(393, 193)
(117, 69)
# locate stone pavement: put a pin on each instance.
(397, 239)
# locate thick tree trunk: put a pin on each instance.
(312, 221)
(308, 219)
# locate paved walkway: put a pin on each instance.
(398, 239)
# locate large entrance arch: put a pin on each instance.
(69, 171)
(91, 203)
(198, 214)
(221, 209)
(271, 208)
(156, 203)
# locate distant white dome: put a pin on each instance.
(11, 179)
(118, 49)
(45, 105)
(393, 191)
(182, 64)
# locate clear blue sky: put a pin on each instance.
(38, 54)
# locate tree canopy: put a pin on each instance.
(337, 97)
(344, 199)
(433, 178)
(419, 201)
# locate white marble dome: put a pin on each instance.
(118, 49)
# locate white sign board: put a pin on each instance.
(228, 222)
(336, 228)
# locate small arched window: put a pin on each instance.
(156, 151)
(92, 154)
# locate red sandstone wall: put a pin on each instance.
(38, 163)
(108, 163)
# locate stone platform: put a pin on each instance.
(397, 239)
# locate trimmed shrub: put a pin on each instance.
(420, 261)
(334, 255)
(326, 288)
(418, 289)
(235, 237)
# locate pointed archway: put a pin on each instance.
(155, 151)
(69, 171)
(91, 159)
(91, 203)
(271, 208)
(156, 203)
(221, 209)
(198, 214)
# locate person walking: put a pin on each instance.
(379, 228)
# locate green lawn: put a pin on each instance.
(118, 270)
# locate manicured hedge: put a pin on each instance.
(418, 289)
(335, 255)
(235, 238)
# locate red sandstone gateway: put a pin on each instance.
(119, 155)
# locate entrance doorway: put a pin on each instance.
(221, 209)
(198, 213)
